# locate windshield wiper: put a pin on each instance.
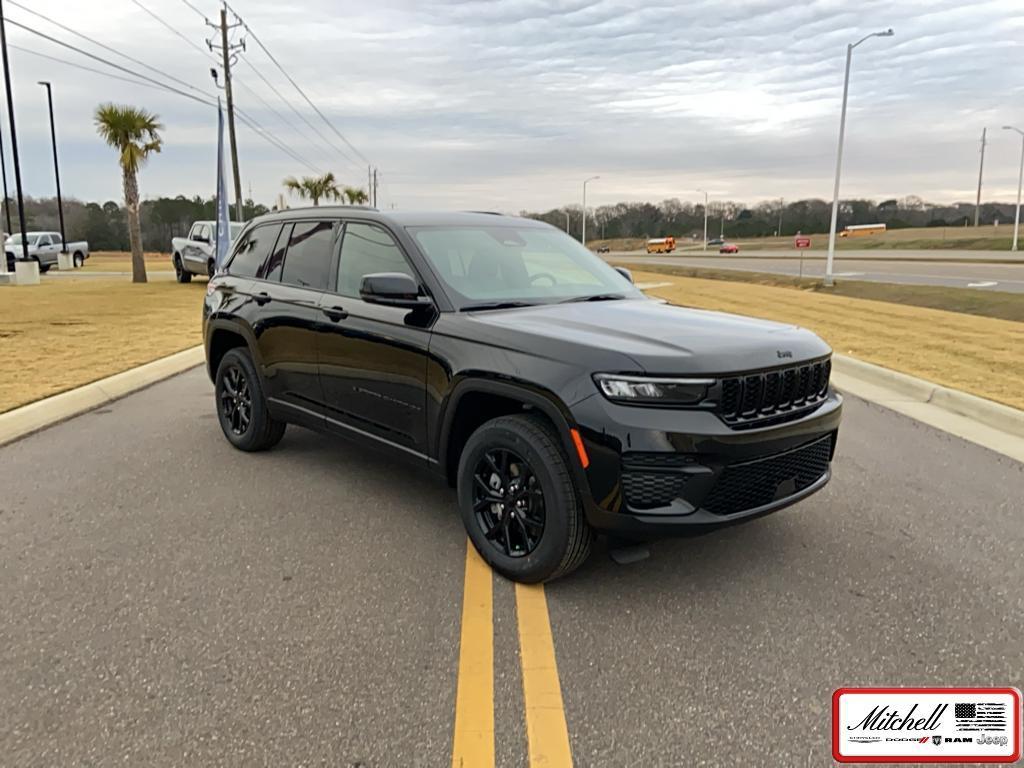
(595, 297)
(497, 305)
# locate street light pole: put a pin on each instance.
(7, 200)
(567, 222)
(585, 182)
(981, 169)
(705, 218)
(14, 137)
(56, 167)
(1020, 181)
(839, 154)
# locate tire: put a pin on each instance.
(181, 274)
(563, 542)
(43, 268)
(78, 260)
(210, 269)
(235, 383)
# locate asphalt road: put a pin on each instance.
(993, 277)
(166, 600)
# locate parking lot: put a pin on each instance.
(167, 600)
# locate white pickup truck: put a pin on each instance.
(193, 255)
(44, 247)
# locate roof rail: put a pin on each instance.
(489, 213)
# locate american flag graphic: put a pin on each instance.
(979, 717)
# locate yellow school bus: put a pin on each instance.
(661, 245)
(863, 230)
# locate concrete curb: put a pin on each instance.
(991, 414)
(43, 413)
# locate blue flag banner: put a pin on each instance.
(223, 238)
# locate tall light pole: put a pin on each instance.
(1020, 180)
(567, 222)
(981, 169)
(705, 217)
(56, 166)
(7, 201)
(585, 182)
(14, 138)
(839, 154)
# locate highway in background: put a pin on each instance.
(957, 270)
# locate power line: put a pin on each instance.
(175, 31)
(296, 86)
(83, 67)
(209, 101)
(201, 14)
(101, 45)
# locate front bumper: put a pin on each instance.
(656, 471)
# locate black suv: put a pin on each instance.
(555, 396)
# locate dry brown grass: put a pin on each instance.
(981, 355)
(66, 333)
(119, 261)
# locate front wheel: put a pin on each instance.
(181, 274)
(43, 268)
(241, 406)
(518, 500)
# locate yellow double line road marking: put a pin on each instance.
(546, 730)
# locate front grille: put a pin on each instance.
(652, 480)
(773, 396)
(753, 484)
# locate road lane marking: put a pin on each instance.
(473, 742)
(984, 284)
(546, 730)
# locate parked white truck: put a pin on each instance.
(193, 255)
(44, 248)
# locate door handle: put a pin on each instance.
(334, 313)
(261, 298)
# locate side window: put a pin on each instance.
(310, 249)
(194, 232)
(271, 268)
(366, 249)
(204, 233)
(253, 250)
(44, 240)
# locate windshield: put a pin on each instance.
(32, 239)
(530, 265)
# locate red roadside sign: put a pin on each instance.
(803, 242)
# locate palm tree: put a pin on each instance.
(314, 187)
(134, 134)
(355, 196)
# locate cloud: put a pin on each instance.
(511, 103)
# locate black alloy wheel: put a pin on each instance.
(508, 502)
(236, 400)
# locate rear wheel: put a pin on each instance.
(241, 406)
(79, 260)
(518, 500)
(181, 274)
(210, 269)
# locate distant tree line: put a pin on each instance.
(105, 225)
(686, 219)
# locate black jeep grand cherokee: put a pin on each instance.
(553, 394)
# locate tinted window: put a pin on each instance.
(44, 240)
(253, 250)
(366, 249)
(271, 268)
(204, 232)
(310, 247)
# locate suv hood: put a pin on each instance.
(658, 337)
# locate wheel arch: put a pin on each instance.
(224, 335)
(477, 399)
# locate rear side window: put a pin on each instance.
(310, 250)
(366, 249)
(253, 251)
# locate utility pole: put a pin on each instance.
(705, 218)
(369, 180)
(7, 200)
(14, 138)
(56, 167)
(227, 51)
(981, 168)
(374, 188)
(782, 207)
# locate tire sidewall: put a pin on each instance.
(559, 503)
(78, 260)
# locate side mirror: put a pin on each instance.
(625, 273)
(392, 289)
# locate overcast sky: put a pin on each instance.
(510, 104)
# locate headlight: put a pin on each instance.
(652, 390)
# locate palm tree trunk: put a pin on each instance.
(131, 202)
